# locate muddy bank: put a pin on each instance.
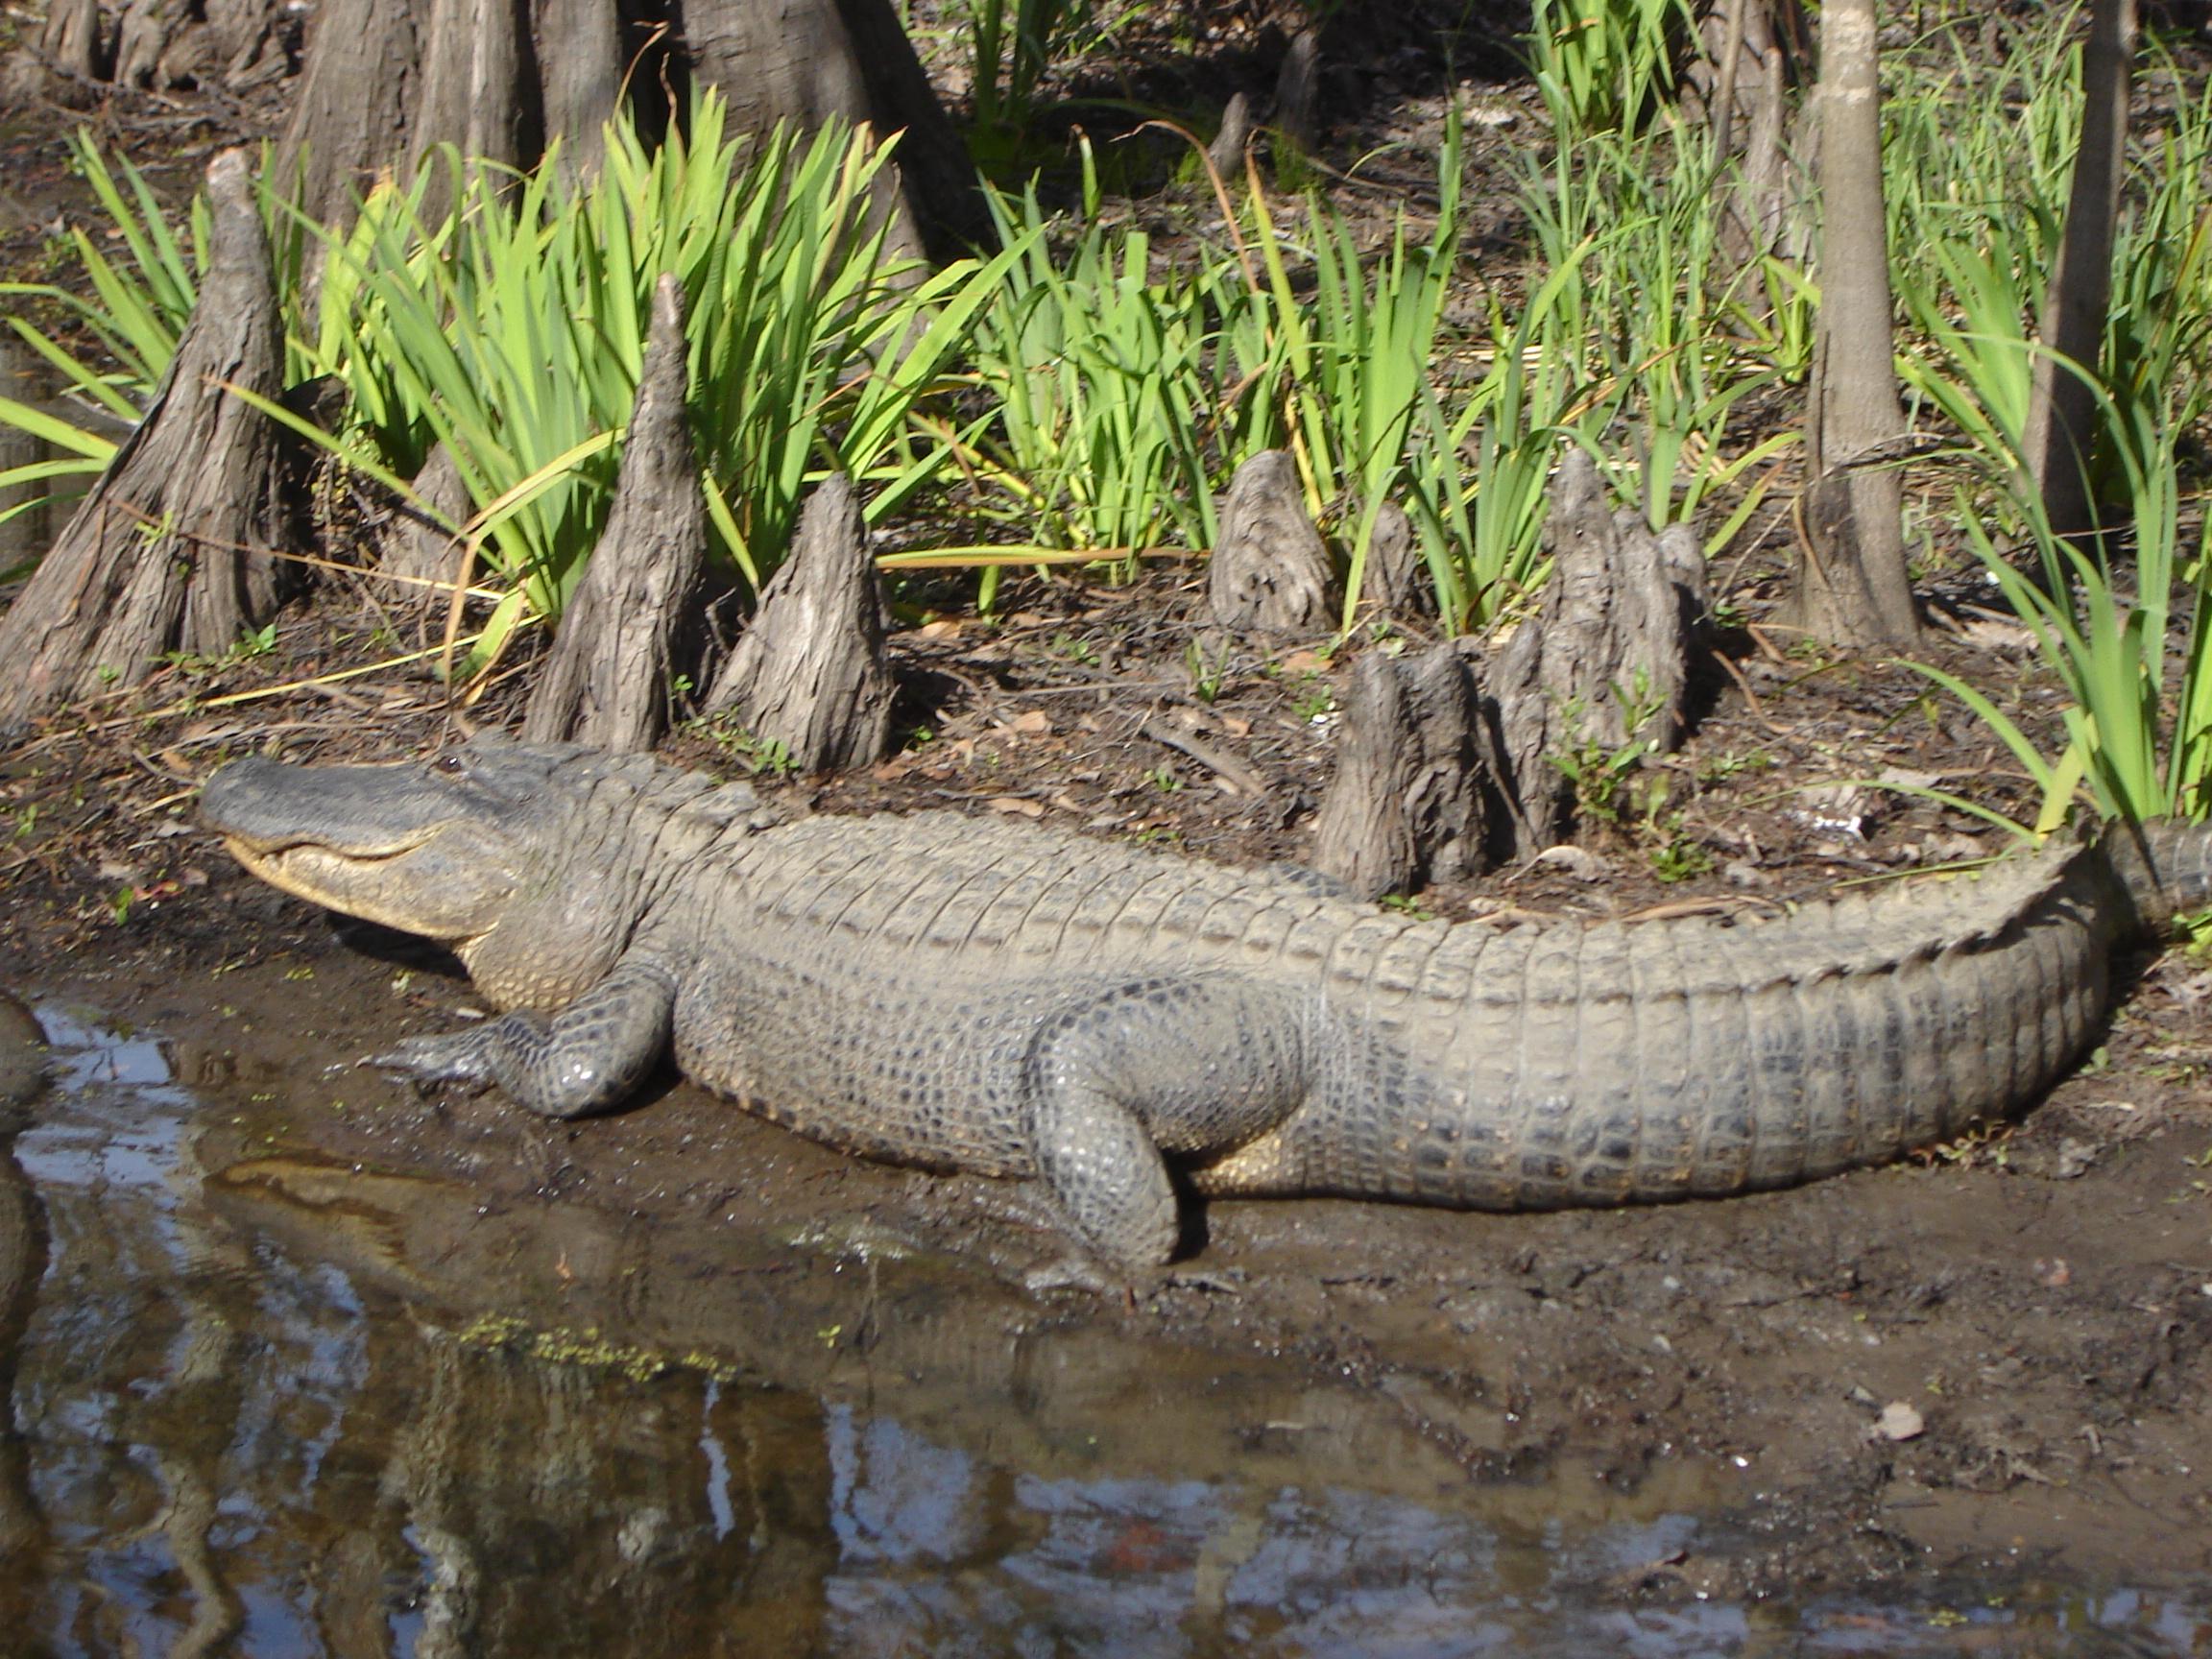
(1987, 1370)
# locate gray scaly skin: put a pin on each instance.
(960, 995)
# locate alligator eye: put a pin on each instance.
(450, 764)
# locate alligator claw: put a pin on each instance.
(1079, 1273)
(458, 1058)
(1228, 1284)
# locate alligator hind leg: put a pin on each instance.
(1188, 1064)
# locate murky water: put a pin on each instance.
(271, 1406)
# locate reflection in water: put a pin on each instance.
(256, 1410)
(23, 1540)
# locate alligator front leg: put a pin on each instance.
(1181, 1064)
(593, 1054)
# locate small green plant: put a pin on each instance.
(1599, 775)
(1600, 770)
(1677, 858)
(757, 755)
(1316, 702)
(256, 642)
(1725, 768)
(1072, 648)
(1164, 780)
(1408, 905)
(1209, 667)
(767, 755)
(1674, 853)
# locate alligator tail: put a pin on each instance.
(2163, 866)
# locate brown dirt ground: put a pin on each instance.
(2040, 1295)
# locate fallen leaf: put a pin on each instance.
(1906, 777)
(1992, 635)
(1015, 806)
(1031, 722)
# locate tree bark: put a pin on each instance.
(1296, 114)
(351, 118)
(73, 41)
(634, 625)
(174, 548)
(1270, 568)
(23, 507)
(2062, 400)
(807, 61)
(165, 43)
(1393, 578)
(809, 673)
(415, 549)
(1605, 662)
(1409, 801)
(1852, 586)
(388, 80)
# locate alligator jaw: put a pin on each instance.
(377, 842)
(375, 886)
(317, 873)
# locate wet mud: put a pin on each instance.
(308, 1361)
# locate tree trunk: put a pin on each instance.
(1605, 662)
(1737, 38)
(1396, 580)
(2062, 402)
(1409, 801)
(1852, 585)
(634, 625)
(1751, 51)
(422, 545)
(387, 81)
(1271, 567)
(165, 43)
(352, 115)
(73, 40)
(809, 673)
(23, 507)
(174, 546)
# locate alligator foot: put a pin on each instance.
(1228, 1284)
(459, 1058)
(1075, 1272)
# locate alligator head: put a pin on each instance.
(533, 863)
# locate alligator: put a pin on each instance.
(1119, 1026)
